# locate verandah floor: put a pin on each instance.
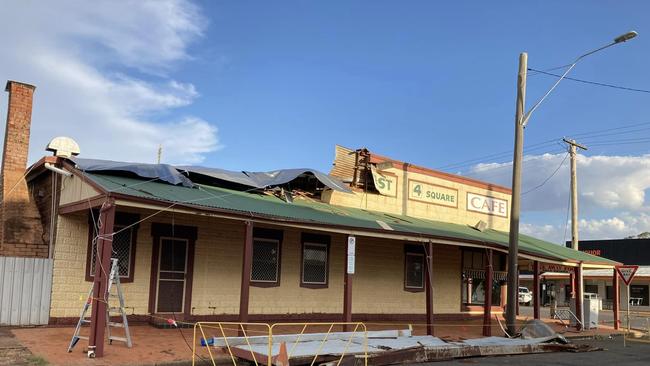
(153, 346)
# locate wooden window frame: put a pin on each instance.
(268, 235)
(122, 219)
(410, 249)
(315, 239)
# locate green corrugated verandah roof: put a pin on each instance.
(306, 211)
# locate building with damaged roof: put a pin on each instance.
(376, 239)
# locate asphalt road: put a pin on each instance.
(635, 354)
(637, 321)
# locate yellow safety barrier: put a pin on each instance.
(269, 331)
(240, 328)
(358, 328)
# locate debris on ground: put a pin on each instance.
(389, 347)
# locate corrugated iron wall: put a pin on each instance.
(25, 289)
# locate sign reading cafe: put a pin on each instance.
(487, 205)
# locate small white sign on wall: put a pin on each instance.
(351, 254)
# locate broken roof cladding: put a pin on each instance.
(267, 179)
(164, 172)
(177, 175)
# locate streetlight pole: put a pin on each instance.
(521, 120)
(513, 268)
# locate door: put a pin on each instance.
(172, 275)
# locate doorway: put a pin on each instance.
(172, 267)
(172, 275)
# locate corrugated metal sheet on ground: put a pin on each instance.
(25, 289)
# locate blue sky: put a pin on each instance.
(252, 85)
(427, 82)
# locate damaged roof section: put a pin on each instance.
(163, 172)
(301, 178)
(274, 178)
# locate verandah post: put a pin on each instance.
(429, 286)
(104, 248)
(536, 297)
(246, 273)
(487, 303)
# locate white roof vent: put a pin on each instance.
(63, 147)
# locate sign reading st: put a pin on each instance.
(432, 193)
(487, 205)
(386, 183)
(626, 273)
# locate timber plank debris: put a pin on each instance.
(387, 347)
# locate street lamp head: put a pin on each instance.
(625, 37)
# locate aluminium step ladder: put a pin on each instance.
(114, 279)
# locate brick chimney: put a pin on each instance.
(21, 231)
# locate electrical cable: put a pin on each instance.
(591, 82)
(549, 177)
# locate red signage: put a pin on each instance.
(626, 273)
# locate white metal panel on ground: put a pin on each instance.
(25, 289)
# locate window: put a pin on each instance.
(473, 285)
(124, 242)
(265, 266)
(315, 261)
(639, 295)
(414, 268)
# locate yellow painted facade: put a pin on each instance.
(401, 204)
(378, 286)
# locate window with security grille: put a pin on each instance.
(122, 250)
(314, 263)
(414, 270)
(266, 256)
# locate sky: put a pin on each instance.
(258, 85)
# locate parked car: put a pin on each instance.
(525, 296)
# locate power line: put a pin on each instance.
(591, 82)
(549, 177)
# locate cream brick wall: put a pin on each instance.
(402, 205)
(377, 286)
(69, 287)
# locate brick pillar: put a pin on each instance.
(21, 230)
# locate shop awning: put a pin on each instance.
(319, 215)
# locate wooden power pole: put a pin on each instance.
(573, 146)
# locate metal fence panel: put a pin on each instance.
(25, 289)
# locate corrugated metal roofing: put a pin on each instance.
(311, 211)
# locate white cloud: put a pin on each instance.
(616, 227)
(611, 190)
(102, 76)
(604, 182)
